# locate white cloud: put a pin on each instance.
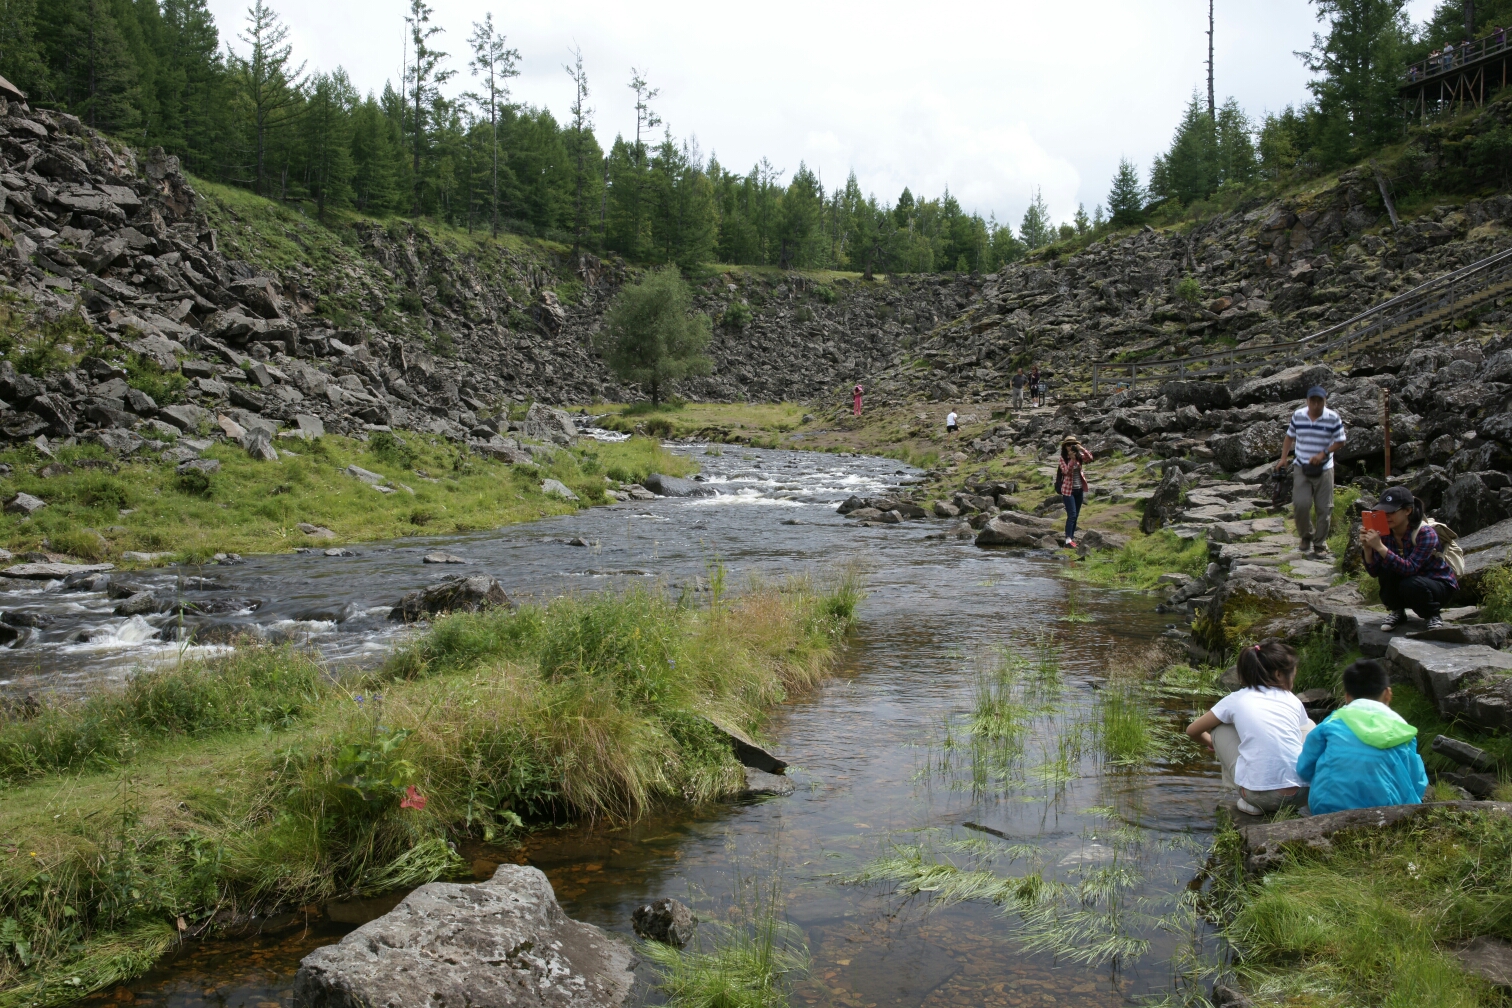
(991, 98)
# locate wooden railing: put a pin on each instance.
(1458, 57)
(1393, 318)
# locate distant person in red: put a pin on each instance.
(856, 398)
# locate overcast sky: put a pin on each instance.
(992, 99)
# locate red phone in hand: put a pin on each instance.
(1375, 521)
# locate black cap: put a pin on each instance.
(1394, 499)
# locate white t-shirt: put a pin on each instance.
(1272, 724)
(950, 419)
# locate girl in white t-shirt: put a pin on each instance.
(1257, 731)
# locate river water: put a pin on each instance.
(882, 753)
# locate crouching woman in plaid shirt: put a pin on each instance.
(1410, 574)
(1070, 482)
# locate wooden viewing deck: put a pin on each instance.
(1462, 75)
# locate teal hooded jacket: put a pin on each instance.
(1362, 756)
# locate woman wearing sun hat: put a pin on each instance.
(1408, 563)
(1070, 483)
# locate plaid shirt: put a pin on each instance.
(1412, 558)
(1071, 474)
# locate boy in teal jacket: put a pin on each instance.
(1363, 755)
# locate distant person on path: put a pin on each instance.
(1317, 432)
(1019, 381)
(1364, 755)
(1258, 732)
(856, 399)
(1408, 564)
(1071, 482)
(1034, 384)
(951, 427)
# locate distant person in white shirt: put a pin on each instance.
(950, 423)
(1316, 432)
(1257, 731)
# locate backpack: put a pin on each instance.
(1449, 549)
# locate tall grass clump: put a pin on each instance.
(262, 779)
(1496, 589)
(1372, 921)
(750, 964)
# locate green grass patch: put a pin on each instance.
(1143, 560)
(1369, 922)
(254, 507)
(1496, 595)
(264, 779)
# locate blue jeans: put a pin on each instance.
(1073, 508)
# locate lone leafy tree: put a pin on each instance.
(651, 335)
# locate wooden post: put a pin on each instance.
(1385, 195)
(1386, 425)
(1094, 379)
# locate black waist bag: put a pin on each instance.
(1312, 471)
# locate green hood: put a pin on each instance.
(1375, 724)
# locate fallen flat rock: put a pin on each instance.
(442, 558)
(556, 488)
(1265, 844)
(366, 475)
(1488, 958)
(134, 556)
(1492, 635)
(1440, 669)
(504, 943)
(51, 571)
(748, 753)
(675, 486)
(25, 503)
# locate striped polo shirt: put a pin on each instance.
(1313, 436)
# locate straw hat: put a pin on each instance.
(1071, 439)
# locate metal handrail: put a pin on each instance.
(1415, 302)
(1459, 57)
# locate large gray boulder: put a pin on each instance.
(504, 943)
(554, 421)
(1283, 386)
(1164, 505)
(1469, 505)
(1268, 846)
(1252, 446)
(454, 594)
(1488, 548)
(1002, 531)
(1471, 681)
(675, 486)
(1202, 394)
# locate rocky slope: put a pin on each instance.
(266, 311)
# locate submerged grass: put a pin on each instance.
(262, 780)
(103, 507)
(1372, 921)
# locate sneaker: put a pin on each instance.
(1306, 546)
(1070, 544)
(1248, 809)
(1394, 620)
(1435, 622)
(1320, 549)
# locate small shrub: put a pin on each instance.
(195, 483)
(85, 543)
(392, 449)
(737, 315)
(823, 293)
(165, 387)
(410, 303)
(1496, 605)
(421, 516)
(58, 343)
(1189, 290)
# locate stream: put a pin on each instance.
(882, 753)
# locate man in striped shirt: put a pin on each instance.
(1316, 432)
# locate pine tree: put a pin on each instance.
(328, 139)
(1358, 62)
(495, 63)
(1082, 222)
(581, 148)
(423, 78)
(268, 85)
(1036, 231)
(1190, 170)
(1126, 200)
(377, 153)
(652, 336)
